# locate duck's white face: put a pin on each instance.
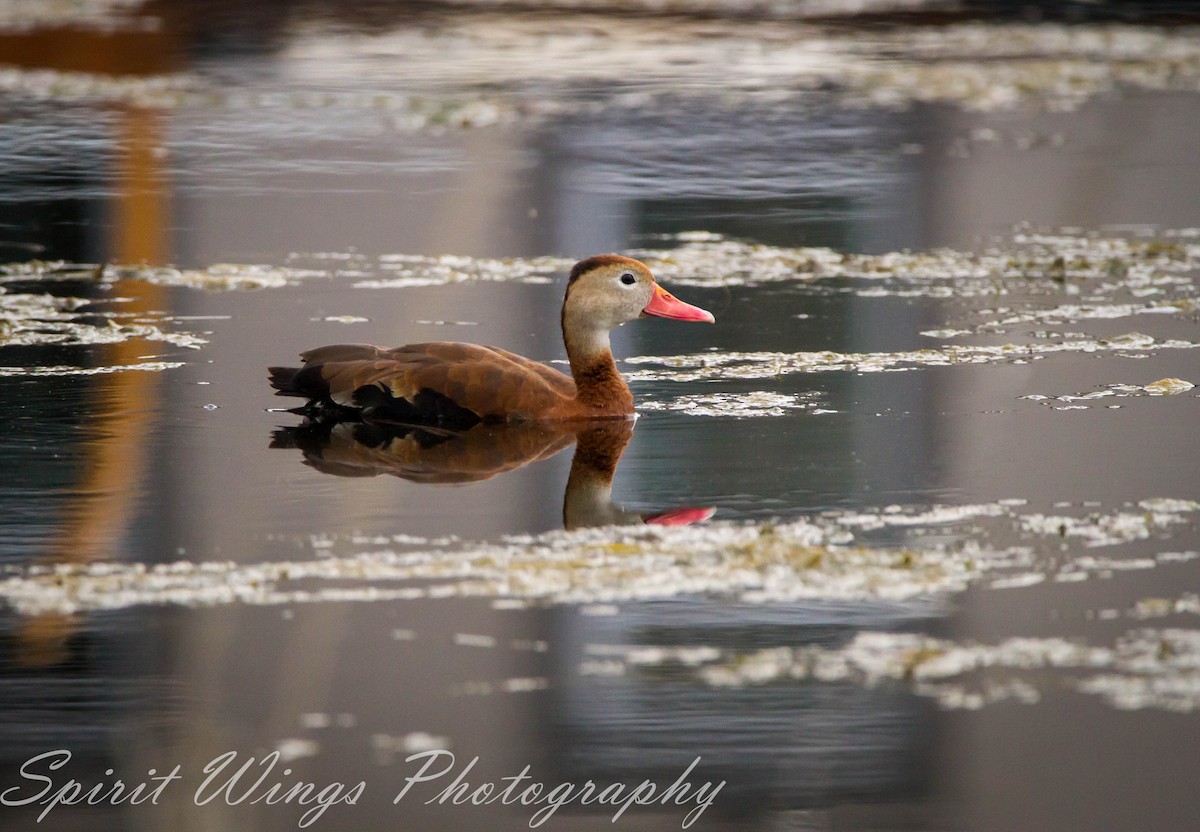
(606, 291)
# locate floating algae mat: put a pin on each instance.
(1144, 668)
(37, 310)
(704, 366)
(762, 563)
(1003, 290)
(484, 68)
(218, 277)
(827, 560)
(809, 559)
(741, 405)
(1090, 267)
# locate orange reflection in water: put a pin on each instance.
(115, 454)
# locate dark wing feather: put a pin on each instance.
(430, 381)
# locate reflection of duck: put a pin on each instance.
(436, 455)
(459, 385)
(588, 498)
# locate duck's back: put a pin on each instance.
(435, 383)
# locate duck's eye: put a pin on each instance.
(628, 279)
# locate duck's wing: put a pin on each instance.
(557, 379)
(438, 382)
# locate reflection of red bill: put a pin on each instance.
(666, 305)
(680, 516)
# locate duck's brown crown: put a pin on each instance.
(584, 266)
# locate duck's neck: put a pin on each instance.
(598, 384)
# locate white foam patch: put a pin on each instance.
(488, 67)
(1142, 669)
(709, 366)
(736, 405)
(757, 564)
(66, 370)
(399, 271)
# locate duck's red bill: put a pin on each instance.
(666, 305)
(680, 517)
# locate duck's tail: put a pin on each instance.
(283, 379)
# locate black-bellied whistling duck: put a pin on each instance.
(428, 454)
(461, 384)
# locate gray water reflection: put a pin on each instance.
(857, 180)
(291, 143)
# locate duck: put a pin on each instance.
(457, 385)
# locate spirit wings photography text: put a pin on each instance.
(237, 781)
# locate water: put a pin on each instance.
(949, 577)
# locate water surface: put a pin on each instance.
(949, 578)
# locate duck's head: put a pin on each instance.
(607, 290)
